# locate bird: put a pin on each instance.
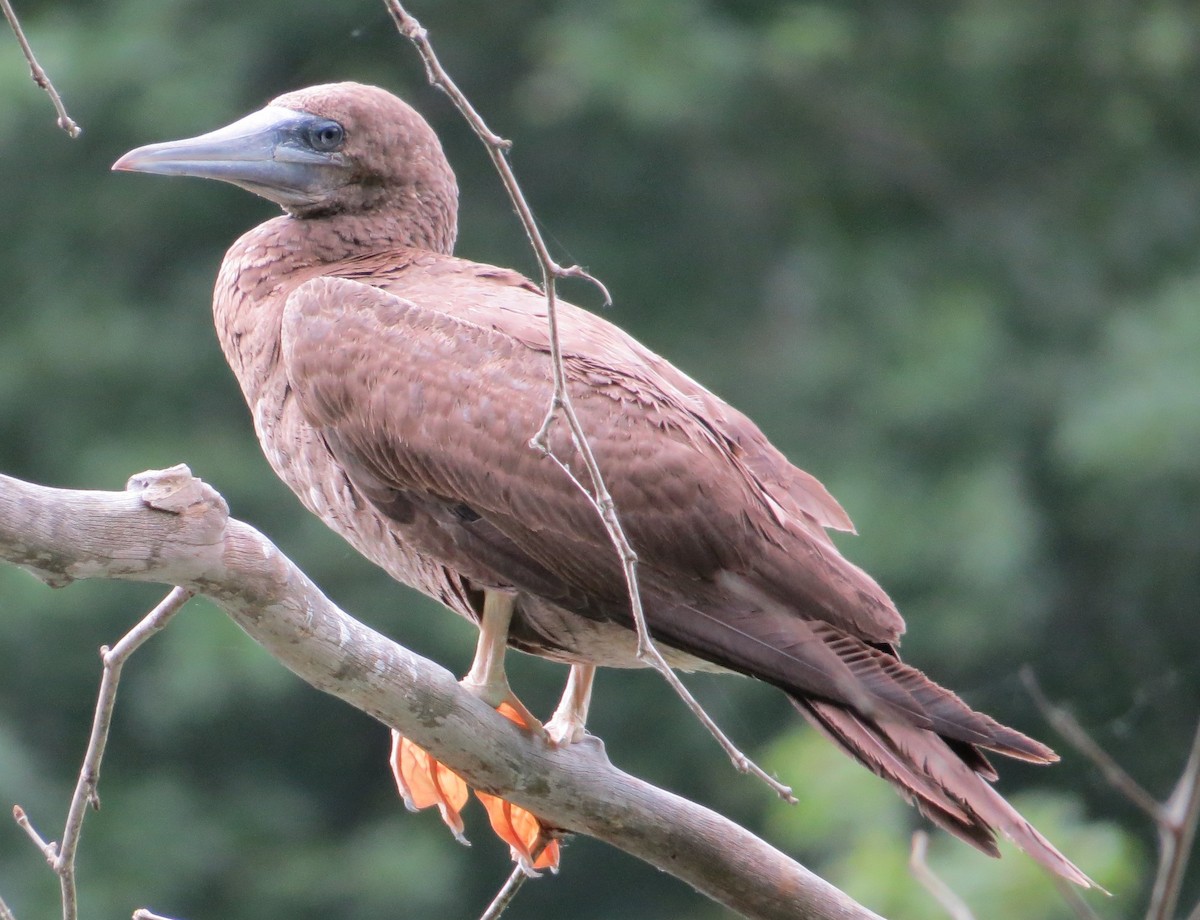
(395, 387)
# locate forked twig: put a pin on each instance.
(955, 906)
(560, 402)
(49, 848)
(1176, 834)
(1175, 819)
(62, 857)
(1068, 726)
(37, 73)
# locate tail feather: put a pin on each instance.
(756, 634)
(886, 677)
(948, 781)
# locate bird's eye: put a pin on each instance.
(326, 136)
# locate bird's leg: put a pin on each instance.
(529, 840)
(486, 679)
(532, 843)
(567, 724)
(424, 781)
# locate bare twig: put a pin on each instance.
(519, 875)
(1176, 834)
(942, 893)
(89, 775)
(142, 914)
(49, 849)
(60, 535)
(39, 76)
(1070, 895)
(1068, 726)
(5, 912)
(507, 893)
(62, 857)
(560, 401)
(1175, 819)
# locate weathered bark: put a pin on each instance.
(171, 528)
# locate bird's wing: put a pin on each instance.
(801, 495)
(433, 398)
(431, 414)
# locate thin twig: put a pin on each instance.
(49, 849)
(142, 914)
(1068, 726)
(62, 858)
(39, 76)
(1176, 834)
(955, 906)
(1175, 819)
(5, 912)
(520, 874)
(1070, 894)
(560, 402)
(506, 894)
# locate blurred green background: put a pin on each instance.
(946, 254)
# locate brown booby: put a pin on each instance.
(395, 389)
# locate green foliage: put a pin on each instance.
(945, 255)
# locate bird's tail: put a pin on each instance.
(948, 780)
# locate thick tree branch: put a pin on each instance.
(170, 528)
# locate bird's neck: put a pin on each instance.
(266, 264)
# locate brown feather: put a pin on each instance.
(938, 781)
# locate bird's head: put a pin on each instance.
(330, 150)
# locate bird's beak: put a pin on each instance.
(264, 153)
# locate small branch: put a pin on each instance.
(1070, 895)
(5, 912)
(1175, 819)
(518, 877)
(1176, 834)
(49, 850)
(89, 774)
(1068, 726)
(560, 400)
(170, 528)
(955, 906)
(142, 914)
(36, 72)
(505, 896)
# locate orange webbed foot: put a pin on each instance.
(424, 781)
(530, 840)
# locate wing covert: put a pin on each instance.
(433, 408)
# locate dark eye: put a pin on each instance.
(326, 136)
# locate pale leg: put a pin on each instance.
(566, 725)
(486, 679)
